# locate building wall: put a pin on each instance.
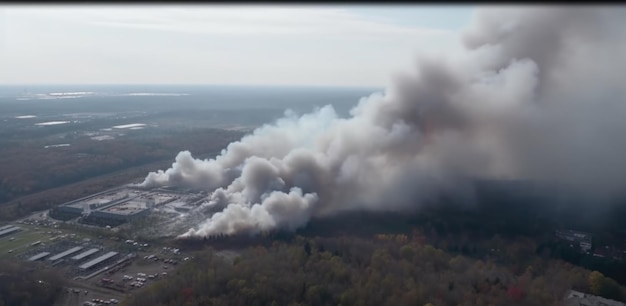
(70, 210)
(113, 216)
(139, 214)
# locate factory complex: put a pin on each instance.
(81, 240)
(126, 203)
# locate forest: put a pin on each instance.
(29, 168)
(508, 226)
(28, 284)
(388, 269)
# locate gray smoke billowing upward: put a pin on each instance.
(537, 95)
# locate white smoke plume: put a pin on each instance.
(537, 94)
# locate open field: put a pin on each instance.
(20, 241)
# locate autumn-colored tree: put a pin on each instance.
(515, 293)
(359, 272)
(596, 282)
(605, 287)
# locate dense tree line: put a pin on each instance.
(29, 168)
(487, 230)
(388, 270)
(25, 284)
(614, 268)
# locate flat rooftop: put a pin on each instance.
(574, 233)
(160, 197)
(63, 254)
(127, 208)
(85, 254)
(6, 227)
(180, 205)
(39, 256)
(98, 260)
(9, 230)
(107, 197)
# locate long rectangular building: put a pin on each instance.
(98, 260)
(85, 254)
(5, 227)
(9, 231)
(63, 254)
(39, 256)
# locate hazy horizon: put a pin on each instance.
(51, 85)
(292, 45)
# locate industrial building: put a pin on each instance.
(119, 204)
(9, 231)
(5, 227)
(126, 210)
(584, 240)
(39, 256)
(98, 260)
(85, 254)
(126, 203)
(63, 254)
(96, 201)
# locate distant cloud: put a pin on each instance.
(298, 45)
(225, 20)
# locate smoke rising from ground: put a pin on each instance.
(537, 95)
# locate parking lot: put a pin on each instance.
(118, 284)
(136, 265)
(145, 268)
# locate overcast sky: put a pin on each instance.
(202, 44)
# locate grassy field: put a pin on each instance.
(22, 240)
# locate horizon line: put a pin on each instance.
(195, 85)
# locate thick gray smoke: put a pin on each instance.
(538, 94)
